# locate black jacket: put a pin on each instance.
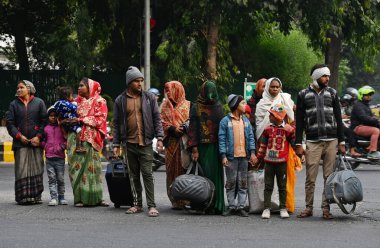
(319, 115)
(362, 115)
(151, 118)
(27, 120)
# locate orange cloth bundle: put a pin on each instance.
(294, 164)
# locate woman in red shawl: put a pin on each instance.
(175, 121)
(85, 168)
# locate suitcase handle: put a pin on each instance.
(115, 158)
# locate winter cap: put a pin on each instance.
(234, 101)
(133, 73)
(51, 109)
(278, 111)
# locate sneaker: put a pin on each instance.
(229, 212)
(284, 213)
(242, 213)
(265, 214)
(373, 155)
(53, 202)
(61, 200)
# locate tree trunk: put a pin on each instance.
(18, 30)
(212, 43)
(332, 59)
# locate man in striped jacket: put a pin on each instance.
(319, 115)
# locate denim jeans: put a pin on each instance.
(236, 183)
(55, 168)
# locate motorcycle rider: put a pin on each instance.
(354, 97)
(346, 108)
(364, 123)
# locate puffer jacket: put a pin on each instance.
(28, 120)
(151, 118)
(226, 138)
(319, 115)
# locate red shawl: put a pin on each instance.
(170, 115)
(93, 113)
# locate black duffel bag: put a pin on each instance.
(196, 189)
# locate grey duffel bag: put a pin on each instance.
(343, 186)
(196, 189)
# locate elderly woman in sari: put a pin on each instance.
(175, 121)
(25, 123)
(205, 116)
(85, 169)
(273, 95)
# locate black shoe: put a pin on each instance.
(229, 212)
(242, 213)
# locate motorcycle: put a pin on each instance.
(362, 143)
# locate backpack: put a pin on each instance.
(343, 187)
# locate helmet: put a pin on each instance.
(352, 91)
(365, 90)
(346, 98)
(154, 91)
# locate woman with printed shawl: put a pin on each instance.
(85, 169)
(175, 121)
(205, 116)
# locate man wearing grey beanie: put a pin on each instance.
(136, 120)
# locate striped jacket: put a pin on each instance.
(319, 115)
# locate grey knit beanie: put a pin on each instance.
(132, 74)
(234, 101)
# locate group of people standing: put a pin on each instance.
(198, 131)
(35, 129)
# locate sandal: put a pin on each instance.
(305, 213)
(78, 205)
(134, 210)
(153, 212)
(103, 203)
(327, 215)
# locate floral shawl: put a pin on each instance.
(174, 116)
(93, 114)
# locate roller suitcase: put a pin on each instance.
(119, 186)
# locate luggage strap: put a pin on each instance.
(197, 167)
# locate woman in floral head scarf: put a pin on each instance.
(85, 169)
(175, 121)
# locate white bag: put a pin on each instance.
(256, 186)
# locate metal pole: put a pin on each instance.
(147, 45)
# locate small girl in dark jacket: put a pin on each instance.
(55, 145)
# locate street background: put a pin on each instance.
(67, 226)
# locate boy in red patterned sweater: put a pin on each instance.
(274, 149)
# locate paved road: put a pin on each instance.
(67, 226)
